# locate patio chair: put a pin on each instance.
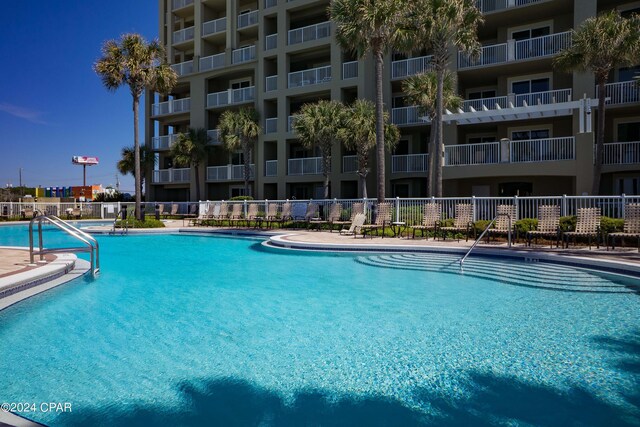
(286, 213)
(272, 214)
(430, 219)
(222, 215)
(298, 212)
(174, 209)
(383, 219)
(334, 215)
(75, 213)
(252, 215)
(505, 221)
(237, 214)
(356, 226)
(28, 213)
(356, 208)
(205, 215)
(463, 221)
(631, 225)
(161, 210)
(548, 224)
(588, 224)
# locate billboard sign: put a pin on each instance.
(84, 160)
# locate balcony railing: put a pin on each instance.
(179, 4)
(231, 96)
(349, 164)
(409, 163)
(621, 153)
(622, 92)
(183, 68)
(243, 54)
(228, 173)
(171, 176)
(271, 83)
(309, 33)
(270, 3)
(486, 6)
(183, 35)
(501, 102)
(163, 142)
(409, 67)
(310, 77)
(212, 62)
(305, 166)
(271, 125)
(170, 107)
(248, 19)
(472, 154)
(290, 121)
(349, 70)
(214, 137)
(271, 41)
(214, 27)
(271, 168)
(406, 116)
(515, 50)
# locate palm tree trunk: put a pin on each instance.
(438, 133)
(247, 167)
(432, 159)
(136, 159)
(326, 166)
(380, 126)
(597, 167)
(362, 177)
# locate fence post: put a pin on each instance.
(473, 208)
(563, 209)
(516, 202)
(266, 207)
(624, 203)
(245, 207)
(397, 208)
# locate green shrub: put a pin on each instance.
(480, 225)
(526, 224)
(233, 199)
(568, 223)
(148, 223)
(611, 225)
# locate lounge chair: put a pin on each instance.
(205, 215)
(356, 226)
(75, 213)
(28, 213)
(383, 219)
(631, 225)
(161, 211)
(222, 215)
(174, 209)
(334, 215)
(237, 214)
(298, 212)
(430, 219)
(505, 221)
(548, 224)
(462, 222)
(356, 208)
(272, 214)
(588, 224)
(252, 215)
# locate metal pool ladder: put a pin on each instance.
(484, 232)
(90, 243)
(124, 224)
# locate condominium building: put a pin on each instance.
(524, 127)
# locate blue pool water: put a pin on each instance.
(189, 330)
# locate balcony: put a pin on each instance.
(271, 83)
(271, 41)
(621, 153)
(349, 70)
(305, 166)
(621, 92)
(244, 54)
(349, 164)
(182, 36)
(290, 121)
(507, 151)
(179, 4)
(214, 137)
(403, 116)
(270, 3)
(486, 6)
(171, 176)
(271, 125)
(248, 19)
(271, 168)
(516, 50)
(163, 142)
(407, 163)
(412, 66)
(183, 68)
(171, 107)
(212, 62)
(228, 173)
(312, 76)
(231, 96)
(214, 27)
(309, 33)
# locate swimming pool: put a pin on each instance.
(190, 330)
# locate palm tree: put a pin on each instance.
(422, 90)
(316, 126)
(358, 132)
(240, 130)
(374, 26)
(191, 149)
(126, 164)
(437, 24)
(601, 44)
(140, 65)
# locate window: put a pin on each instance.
(481, 139)
(530, 33)
(530, 86)
(525, 48)
(398, 102)
(629, 186)
(523, 135)
(489, 93)
(628, 74)
(401, 148)
(237, 158)
(236, 191)
(629, 132)
(240, 84)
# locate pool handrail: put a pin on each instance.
(485, 231)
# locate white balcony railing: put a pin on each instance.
(163, 142)
(214, 27)
(309, 33)
(409, 163)
(406, 116)
(290, 121)
(271, 41)
(310, 77)
(183, 68)
(305, 166)
(349, 70)
(179, 4)
(271, 83)
(622, 92)
(409, 67)
(271, 125)
(271, 168)
(501, 102)
(349, 164)
(231, 96)
(171, 176)
(248, 19)
(228, 173)
(214, 137)
(472, 154)
(621, 153)
(184, 35)
(486, 6)
(243, 54)
(170, 107)
(212, 62)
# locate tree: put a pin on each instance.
(436, 25)
(126, 164)
(358, 132)
(240, 130)
(374, 26)
(599, 45)
(140, 65)
(422, 90)
(316, 126)
(191, 150)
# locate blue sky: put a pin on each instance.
(52, 105)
